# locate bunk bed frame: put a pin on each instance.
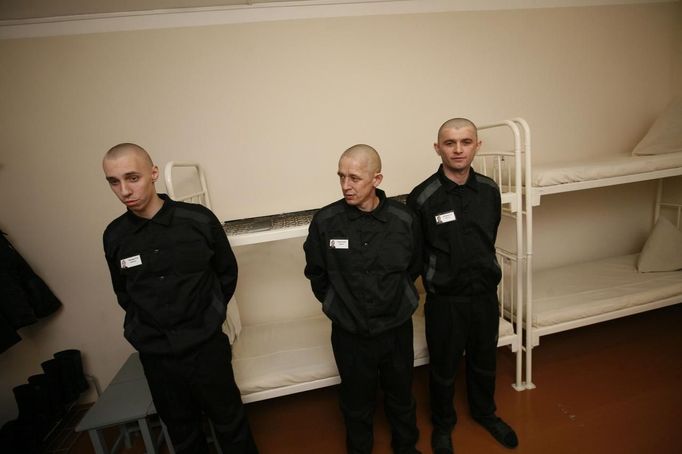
(532, 198)
(294, 225)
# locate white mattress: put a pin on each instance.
(573, 172)
(275, 355)
(593, 288)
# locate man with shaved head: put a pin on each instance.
(173, 273)
(459, 212)
(362, 257)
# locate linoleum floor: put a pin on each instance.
(614, 388)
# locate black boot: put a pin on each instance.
(71, 359)
(33, 409)
(16, 437)
(64, 393)
(50, 402)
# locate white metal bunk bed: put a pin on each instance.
(578, 295)
(281, 358)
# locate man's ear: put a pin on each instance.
(377, 179)
(155, 173)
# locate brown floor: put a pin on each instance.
(607, 388)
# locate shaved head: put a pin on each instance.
(123, 149)
(365, 153)
(360, 174)
(131, 175)
(457, 123)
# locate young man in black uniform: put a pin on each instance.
(459, 211)
(173, 273)
(362, 257)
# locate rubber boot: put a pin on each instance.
(71, 359)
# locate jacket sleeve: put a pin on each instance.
(224, 262)
(316, 267)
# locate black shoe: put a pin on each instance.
(501, 431)
(441, 442)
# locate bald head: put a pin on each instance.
(360, 174)
(458, 123)
(364, 153)
(124, 149)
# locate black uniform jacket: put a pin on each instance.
(362, 266)
(24, 296)
(460, 225)
(172, 274)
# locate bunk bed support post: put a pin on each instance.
(528, 256)
(659, 198)
(516, 208)
(518, 317)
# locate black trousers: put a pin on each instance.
(200, 382)
(363, 363)
(455, 326)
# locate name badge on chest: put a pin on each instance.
(445, 217)
(131, 262)
(338, 244)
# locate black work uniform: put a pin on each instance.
(362, 267)
(460, 274)
(173, 275)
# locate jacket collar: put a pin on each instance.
(379, 212)
(164, 216)
(450, 185)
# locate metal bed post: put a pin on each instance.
(202, 195)
(519, 385)
(516, 207)
(659, 198)
(527, 185)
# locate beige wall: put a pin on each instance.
(268, 107)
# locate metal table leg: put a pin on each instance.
(98, 442)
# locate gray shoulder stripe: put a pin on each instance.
(329, 212)
(428, 192)
(402, 214)
(485, 180)
(192, 214)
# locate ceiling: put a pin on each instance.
(37, 9)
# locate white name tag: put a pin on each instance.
(131, 262)
(445, 217)
(338, 244)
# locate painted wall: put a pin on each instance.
(268, 107)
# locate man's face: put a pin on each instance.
(132, 178)
(457, 148)
(358, 182)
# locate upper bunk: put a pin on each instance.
(576, 176)
(658, 155)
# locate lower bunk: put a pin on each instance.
(280, 358)
(586, 293)
(583, 294)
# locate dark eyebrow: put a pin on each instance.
(129, 174)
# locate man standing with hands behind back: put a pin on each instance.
(459, 212)
(173, 273)
(362, 257)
